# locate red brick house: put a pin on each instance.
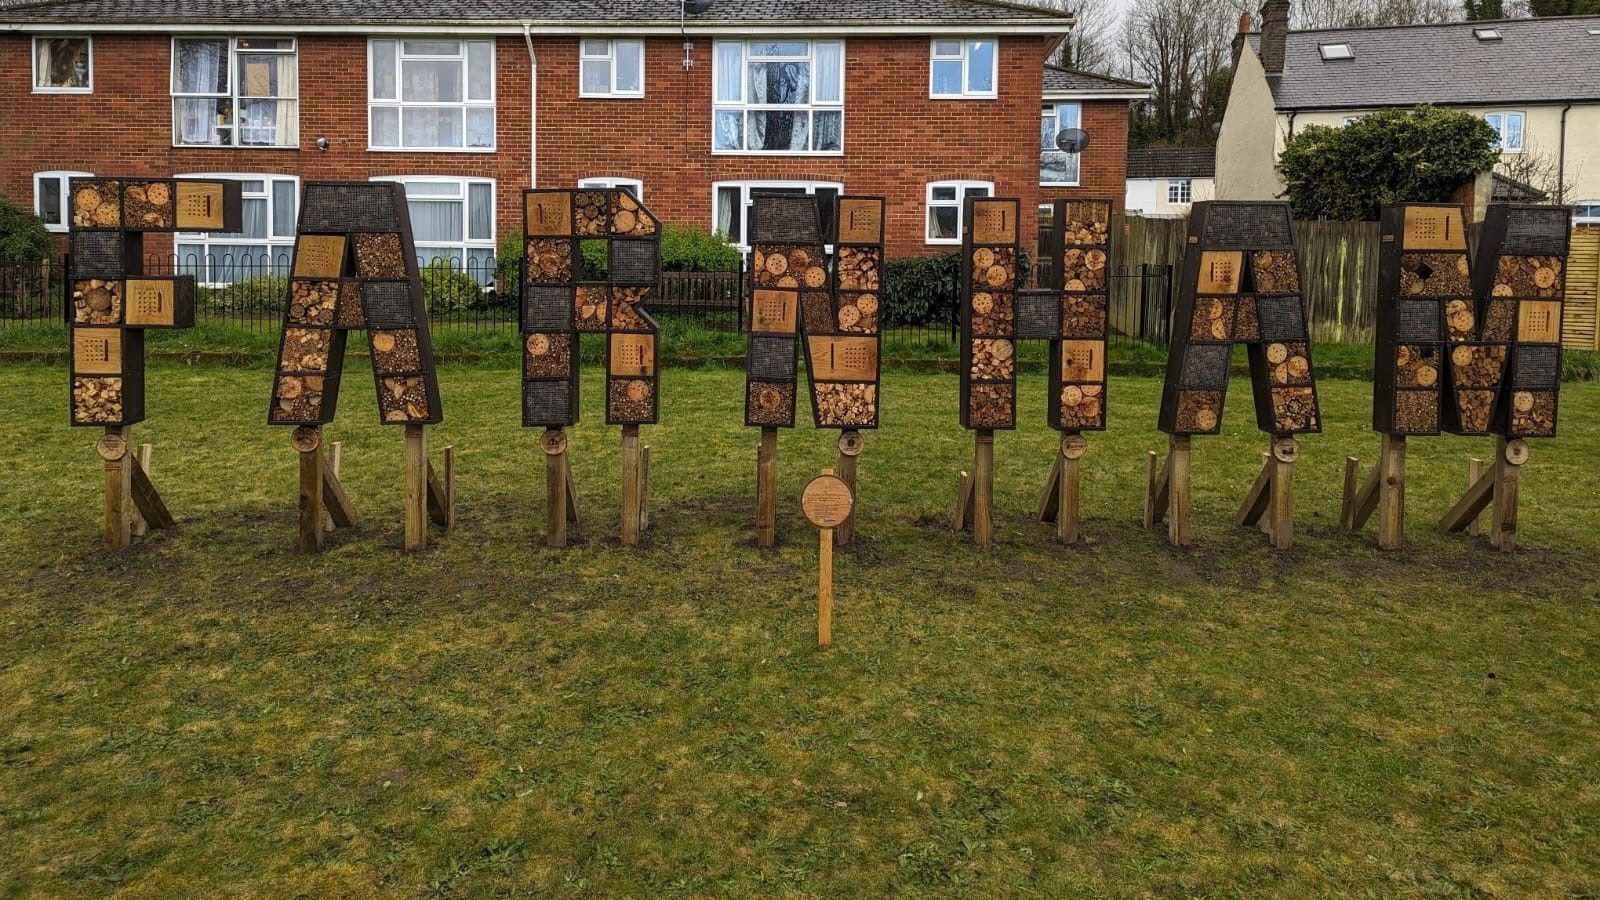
(469, 102)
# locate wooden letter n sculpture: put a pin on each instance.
(355, 267)
(113, 303)
(1240, 284)
(592, 264)
(990, 252)
(1071, 314)
(798, 298)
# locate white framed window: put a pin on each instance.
(63, 65)
(964, 68)
(1180, 190)
(610, 68)
(453, 221)
(1331, 52)
(632, 185)
(1586, 212)
(778, 97)
(235, 92)
(1509, 126)
(730, 204)
(1058, 168)
(431, 95)
(50, 193)
(947, 204)
(264, 247)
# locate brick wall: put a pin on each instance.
(1103, 170)
(896, 138)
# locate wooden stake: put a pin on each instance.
(1347, 499)
(1281, 509)
(630, 485)
(983, 489)
(1392, 492)
(851, 446)
(825, 586)
(1510, 457)
(1155, 489)
(140, 525)
(827, 502)
(308, 441)
(1180, 530)
(644, 489)
(1059, 504)
(1474, 473)
(1471, 504)
(333, 465)
(558, 488)
(416, 511)
(117, 518)
(963, 518)
(442, 494)
(767, 489)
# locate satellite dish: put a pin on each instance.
(696, 7)
(1072, 140)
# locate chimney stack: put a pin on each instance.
(1274, 34)
(1246, 25)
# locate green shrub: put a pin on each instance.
(1420, 155)
(685, 248)
(508, 264)
(260, 293)
(23, 238)
(926, 290)
(595, 262)
(448, 289)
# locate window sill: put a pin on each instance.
(477, 150)
(236, 146)
(716, 152)
(991, 96)
(583, 96)
(78, 91)
(942, 242)
(57, 229)
(1060, 184)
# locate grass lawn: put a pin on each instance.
(209, 713)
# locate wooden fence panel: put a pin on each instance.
(1578, 327)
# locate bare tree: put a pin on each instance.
(1092, 44)
(1183, 48)
(1365, 13)
(1539, 169)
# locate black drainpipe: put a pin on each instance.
(1561, 158)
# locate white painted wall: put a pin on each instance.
(1248, 145)
(1148, 196)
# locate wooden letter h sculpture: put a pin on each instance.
(1463, 347)
(834, 311)
(1241, 284)
(113, 303)
(355, 267)
(568, 233)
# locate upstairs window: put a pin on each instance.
(1331, 52)
(432, 95)
(63, 65)
(947, 201)
(965, 68)
(1058, 168)
(235, 92)
(1509, 126)
(778, 97)
(611, 68)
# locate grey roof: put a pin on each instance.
(1062, 80)
(1510, 190)
(310, 12)
(1537, 61)
(1175, 162)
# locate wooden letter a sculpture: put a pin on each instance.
(355, 267)
(1240, 284)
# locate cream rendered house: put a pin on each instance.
(1537, 81)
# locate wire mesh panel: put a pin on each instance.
(112, 302)
(348, 207)
(1079, 249)
(990, 251)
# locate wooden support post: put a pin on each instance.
(1510, 457)
(1471, 504)
(1347, 499)
(308, 442)
(558, 488)
(1474, 473)
(1256, 508)
(1270, 503)
(825, 585)
(630, 485)
(983, 489)
(117, 519)
(1155, 490)
(1392, 492)
(1059, 503)
(442, 493)
(851, 446)
(767, 489)
(1180, 529)
(963, 517)
(416, 511)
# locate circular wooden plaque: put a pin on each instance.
(553, 442)
(827, 501)
(851, 443)
(1517, 452)
(1286, 449)
(306, 439)
(111, 447)
(1074, 446)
